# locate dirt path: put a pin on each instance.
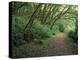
(60, 46)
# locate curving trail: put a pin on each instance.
(60, 46)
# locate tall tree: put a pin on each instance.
(58, 16)
(29, 24)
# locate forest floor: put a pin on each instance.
(60, 45)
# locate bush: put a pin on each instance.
(17, 34)
(41, 31)
(39, 42)
(74, 36)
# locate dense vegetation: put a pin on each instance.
(37, 22)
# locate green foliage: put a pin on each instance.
(74, 36)
(38, 42)
(41, 31)
(17, 31)
(73, 45)
(55, 30)
(61, 28)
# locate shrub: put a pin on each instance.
(74, 36)
(41, 31)
(17, 34)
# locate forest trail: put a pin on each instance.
(60, 45)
